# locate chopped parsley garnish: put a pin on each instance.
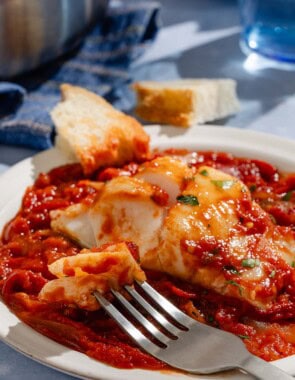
(250, 263)
(272, 274)
(252, 188)
(293, 264)
(204, 172)
(244, 336)
(210, 319)
(188, 200)
(287, 196)
(234, 283)
(225, 185)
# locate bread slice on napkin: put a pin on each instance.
(185, 102)
(95, 132)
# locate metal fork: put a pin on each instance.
(186, 344)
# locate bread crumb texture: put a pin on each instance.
(97, 134)
(185, 102)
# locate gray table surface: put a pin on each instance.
(200, 38)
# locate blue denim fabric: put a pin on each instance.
(100, 64)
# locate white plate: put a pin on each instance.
(13, 183)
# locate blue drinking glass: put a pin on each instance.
(269, 28)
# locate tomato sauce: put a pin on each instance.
(28, 245)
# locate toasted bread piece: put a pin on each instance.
(185, 102)
(96, 133)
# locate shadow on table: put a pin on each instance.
(35, 346)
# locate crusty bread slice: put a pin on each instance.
(94, 132)
(185, 102)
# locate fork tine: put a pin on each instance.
(127, 326)
(190, 351)
(177, 352)
(153, 312)
(166, 305)
(141, 319)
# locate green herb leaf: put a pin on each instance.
(204, 172)
(250, 263)
(244, 336)
(234, 283)
(225, 185)
(293, 264)
(210, 319)
(252, 188)
(188, 200)
(287, 196)
(272, 274)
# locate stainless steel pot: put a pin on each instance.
(33, 32)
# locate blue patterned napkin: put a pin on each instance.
(100, 64)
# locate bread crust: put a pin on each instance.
(185, 102)
(167, 105)
(95, 132)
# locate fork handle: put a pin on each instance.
(263, 370)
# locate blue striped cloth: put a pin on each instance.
(101, 64)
